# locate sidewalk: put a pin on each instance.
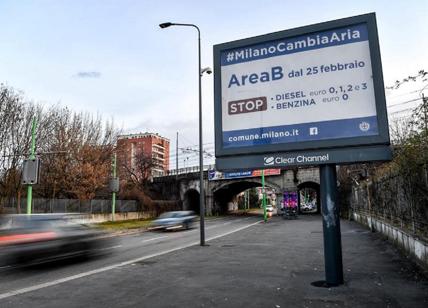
(273, 265)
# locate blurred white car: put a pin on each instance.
(175, 220)
(269, 208)
(308, 206)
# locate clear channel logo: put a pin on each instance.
(269, 160)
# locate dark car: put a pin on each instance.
(40, 238)
(174, 220)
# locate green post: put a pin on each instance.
(264, 196)
(113, 201)
(245, 201)
(32, 156)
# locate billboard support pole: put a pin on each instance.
(331, 226)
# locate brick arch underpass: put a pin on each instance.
(185, 187)
(225, 192)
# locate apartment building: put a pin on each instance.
(132, 148)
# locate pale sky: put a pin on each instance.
(111, 58)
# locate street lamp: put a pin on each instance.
(201, 159)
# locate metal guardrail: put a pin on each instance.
(186, 170)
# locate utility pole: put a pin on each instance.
(32, 156)
(425, 107)
(368, 183)
(113, 200)
(176, 158)
(245, 201)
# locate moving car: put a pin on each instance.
(174, 220)
(308, 207)
(41, 238)
(269, 208)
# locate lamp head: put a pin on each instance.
(165, 25)
(207, 70)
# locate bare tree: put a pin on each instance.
(138, 171)
(75, 148)
(15, 138)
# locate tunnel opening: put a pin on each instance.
(242, 195)
(191, 201)
(309, 198)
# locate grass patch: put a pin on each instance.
(124, 224)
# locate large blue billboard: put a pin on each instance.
(313, 87)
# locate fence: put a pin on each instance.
(70, 206)
(396, 201)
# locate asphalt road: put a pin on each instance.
(247, 264)
(126, 250)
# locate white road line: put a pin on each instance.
(112, 247)
(233, 231)
(153, 239)
(107, 268)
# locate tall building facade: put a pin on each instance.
(149, 149)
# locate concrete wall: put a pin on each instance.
(96, 218)
(411, 245)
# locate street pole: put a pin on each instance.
(331, 226)
(32, 156)
(201, 159)
(113, 201)
(264, 196)
(245, 201)
(176, 158)
(425, 107)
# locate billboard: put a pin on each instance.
(307, 88)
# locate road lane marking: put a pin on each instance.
(112, 247)
(110, 267)
(233, 231)
(153, 239)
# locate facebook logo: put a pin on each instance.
(313, 131)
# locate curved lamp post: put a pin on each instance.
(201, 159)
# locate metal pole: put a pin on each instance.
(176, 157)
(113, 201)
(245, 201)
(264, 196)
(369, 205)
(425, 106)
(331, 226)
(32, 156)
(201, 157)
